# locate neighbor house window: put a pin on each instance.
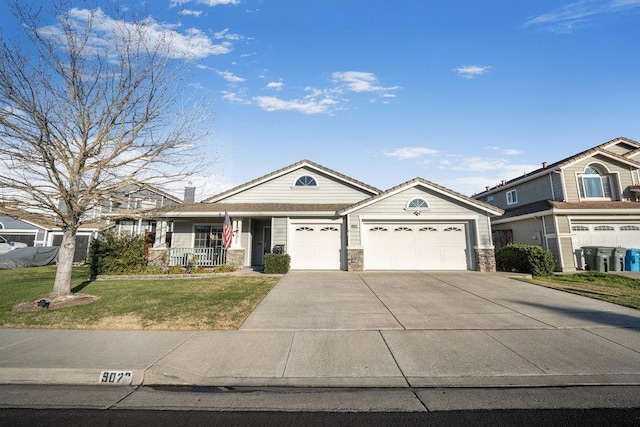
(207, 236)
(306, 181)
(594, 184)
(512, 197)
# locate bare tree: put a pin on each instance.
(90, 103)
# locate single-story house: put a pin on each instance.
(328, 221)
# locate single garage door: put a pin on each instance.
(614, 235)
(315, 246)
(415, 247)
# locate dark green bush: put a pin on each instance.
(525, 259)
(276, 263)
(116, 254)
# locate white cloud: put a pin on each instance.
(512, 152)
(211, 3)
(472, 71)
(409, 152)
(234, 97)
(230, 77)
(358, 81)
(275, 85)
(190, 44)
(574, 15)
(307, 105)
(187, 12)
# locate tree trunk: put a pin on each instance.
(62, 284)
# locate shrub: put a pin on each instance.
(276, 263)
(525, 259)
(226, 268)
(116, 254)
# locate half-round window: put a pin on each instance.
(306, 181)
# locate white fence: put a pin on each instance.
(197, 257)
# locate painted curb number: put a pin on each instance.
(115, 377)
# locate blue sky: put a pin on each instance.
(462, 93)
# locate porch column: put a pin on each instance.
(161, 234)
(236, 239)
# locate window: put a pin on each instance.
(428, 229)
(329, 229)
(378, 229)
(418, 204)
(402, 229)
(207, 236)
(579, 228)
(593, 184)
(512, 197)
(306, 181)
(603, 228)
(622, 228)
(453, 229)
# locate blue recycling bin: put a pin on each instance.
(632, 260)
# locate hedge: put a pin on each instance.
(276, 263)
(116, 254)
(523, 258)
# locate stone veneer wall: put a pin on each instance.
(157, 256)
(355, 259)
(486, 260)
(235, 257)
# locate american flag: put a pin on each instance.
(226, 232)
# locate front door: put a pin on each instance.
(261, 242)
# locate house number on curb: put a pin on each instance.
(115, 377)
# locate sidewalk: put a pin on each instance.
(446, 333)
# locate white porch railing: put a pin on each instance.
(197, 257)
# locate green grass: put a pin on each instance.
(204, 303)
(607, 287)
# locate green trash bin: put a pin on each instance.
(603, 258)
(589, 253)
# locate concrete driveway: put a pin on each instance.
(427, 301)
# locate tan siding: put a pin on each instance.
(618, 170)
(563, 225)
(281, 190)
(567, 254)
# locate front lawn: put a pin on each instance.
(607, 287)
(212, 303)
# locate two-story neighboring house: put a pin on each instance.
(124, 212)
(589, 199)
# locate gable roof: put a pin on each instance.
(299, 165)
(599, 149)
(148, 187)
(493, 210)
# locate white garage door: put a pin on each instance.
(614, 235)
(315, 247)
(415, 247)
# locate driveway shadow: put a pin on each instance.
(593, 317)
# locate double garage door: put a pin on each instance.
(603, 234)
(398, 246)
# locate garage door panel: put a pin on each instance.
(415, 247)
(316, 247)
(599, 234)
